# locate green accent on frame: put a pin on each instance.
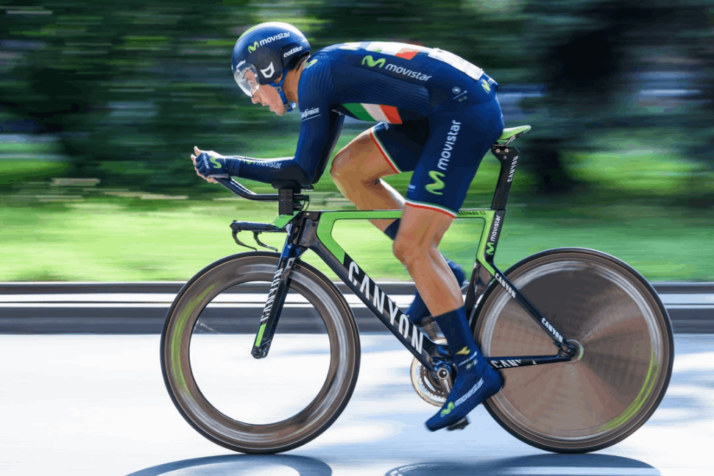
(328, 219)
(261, 331)
(283, 220)
(481, 253)
(177, 336)
(637, 403)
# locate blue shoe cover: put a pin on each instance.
(418, 310)
(470, 389)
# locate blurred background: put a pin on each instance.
(101, 103)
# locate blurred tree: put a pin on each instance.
(591, 57)
(126, 86)
(129, 87)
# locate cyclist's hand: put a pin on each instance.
(209, 164)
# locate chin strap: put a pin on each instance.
(279, 86)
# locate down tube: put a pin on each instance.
(380, 304)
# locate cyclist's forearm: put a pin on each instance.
(267, 170)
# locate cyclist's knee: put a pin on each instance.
(341, 164)
(407, 249)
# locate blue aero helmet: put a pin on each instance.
(263, 53)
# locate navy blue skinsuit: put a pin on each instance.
(437, 115)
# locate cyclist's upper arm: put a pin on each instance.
(320, 125)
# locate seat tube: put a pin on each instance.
(277, 294)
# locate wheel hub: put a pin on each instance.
(579, 352)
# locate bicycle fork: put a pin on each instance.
(276, 297)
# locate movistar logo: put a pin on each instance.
(437, 185)
(464, 351)
(448, 409)
(265, 41)
(489, 248)
(215, 163)
(485, 86)
(311, 62)
(371, 62)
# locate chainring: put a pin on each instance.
(426, 385)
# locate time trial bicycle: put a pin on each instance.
(583, 340)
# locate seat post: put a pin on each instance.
(508, 157)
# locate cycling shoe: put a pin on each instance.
(470, 389)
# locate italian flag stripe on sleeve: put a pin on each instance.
(358, 111)
(407, 53)
(374, 112)
(401, 50)
(392, 114)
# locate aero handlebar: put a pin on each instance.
(244, 192)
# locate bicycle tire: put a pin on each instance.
(290, 433)
(618, 380)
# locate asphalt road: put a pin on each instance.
(140, 308)
(96, 405)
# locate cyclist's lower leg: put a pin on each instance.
(415, 247)
(418, 311)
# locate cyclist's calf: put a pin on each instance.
(415, 246)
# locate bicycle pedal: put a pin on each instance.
(459, 425)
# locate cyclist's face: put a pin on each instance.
(267, 96)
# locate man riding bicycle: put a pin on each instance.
(437, 116)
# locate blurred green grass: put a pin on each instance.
(633, 209)
(114, 240)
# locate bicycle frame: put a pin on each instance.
(313, 231)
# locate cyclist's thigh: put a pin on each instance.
(401, 145)
(385, 149)
(458, 140)
(361, 160)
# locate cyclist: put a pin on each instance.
(437, 115)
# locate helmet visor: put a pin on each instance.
(247, 78)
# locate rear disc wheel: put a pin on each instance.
(625, 350)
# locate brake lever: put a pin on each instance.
(235, 237)
(255, 237)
